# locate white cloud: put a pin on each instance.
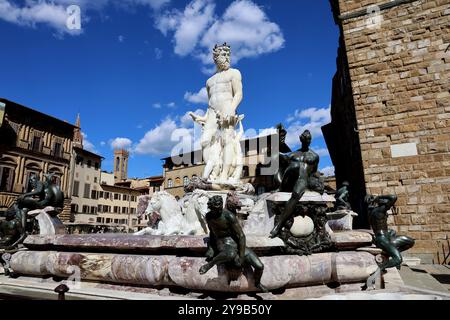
(188, 26)
(158, 53)
(311, 119)
(200, 97)
(244, 25)
(186, 120)
(314, 114)
(248, 30)
(166, 138)
(87, 145)
(36, 12)
(327, 171)
(103, 143)
(121, 143)
(159, 105)
(252, 133)
(31, 13)
(154, 4)
(158, 140)
(121, 38)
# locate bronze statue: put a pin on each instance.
(282, 133)
(342, 198)
(227, 243)
(11, 230)
(43, 194)
(18, 224)
(299, 174)
(386, 239)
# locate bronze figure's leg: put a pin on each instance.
(403, 243)
(299, 190)
(252, 259)
(290, 175)
(223, 257)
(386, 245)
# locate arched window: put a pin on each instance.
(177, 182)
(7, 170)
(185, 181)
(170, 183)
(32, 169)
(117, 164)
(123, 165)
(245, 172)
(57, 175)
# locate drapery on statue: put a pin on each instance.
(298, 172)
(227, 243)
(386, 239)
(220, 142)
(43, 194)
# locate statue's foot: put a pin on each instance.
(204, 269)
(274, 233)
(262, 288)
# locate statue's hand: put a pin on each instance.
(239, 261)
(203, 269)
(209, 254)
(193, 116)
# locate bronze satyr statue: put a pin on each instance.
(301, 172)
(342, 198)
(10, 230)
(43, 194)
(386, 239)
(227, 243)
(282, 133)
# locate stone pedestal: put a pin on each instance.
(341, 220)
(261, 218)
(280, 271)
(174, 261)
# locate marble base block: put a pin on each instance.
(341, 220)
(186, 245)
(280, 271)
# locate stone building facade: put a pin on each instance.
(33, 143)
(391, 104)
(146, 186)
(86, 184)
(117, 204)
(97, 201)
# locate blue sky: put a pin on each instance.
(137, 67)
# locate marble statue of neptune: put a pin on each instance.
(220, 142)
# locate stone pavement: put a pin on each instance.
(428, 277)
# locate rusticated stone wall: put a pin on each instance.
(398, 55)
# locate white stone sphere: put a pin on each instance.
(302, 226)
